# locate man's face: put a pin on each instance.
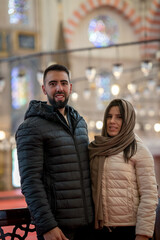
(57, 88)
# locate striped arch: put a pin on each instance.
(153, 26)
(89, 5)
(123, 7)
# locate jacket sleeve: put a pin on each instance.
(147, 190)
(31, 160)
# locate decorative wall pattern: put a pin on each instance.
(125, 9)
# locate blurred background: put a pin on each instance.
(112, 48)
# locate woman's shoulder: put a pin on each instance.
(143, 152)
(141, 146)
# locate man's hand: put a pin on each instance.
(55, 234)
(141, 237)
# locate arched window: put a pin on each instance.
(22, 89)
(17, 10)
(103, 31)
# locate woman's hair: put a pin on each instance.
(116, 103)
(131, 149)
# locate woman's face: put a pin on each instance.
(114, 121)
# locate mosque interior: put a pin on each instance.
(111, 47)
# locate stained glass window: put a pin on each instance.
(103, 31)
(103, 83)
(18, 11)
(21, 88)
(15, 169)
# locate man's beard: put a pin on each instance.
(59, 104)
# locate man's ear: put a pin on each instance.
(44, 90)
(70, 88)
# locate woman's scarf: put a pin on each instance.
(107, 146)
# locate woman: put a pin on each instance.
(157, 223)
(123, 179)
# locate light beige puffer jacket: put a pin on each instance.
(128, 196)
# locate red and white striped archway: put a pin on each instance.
(153, 26)
(126, 10)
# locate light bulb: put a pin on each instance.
(2, 135)
(115, 89)
(2, 84)
(74, 96)
(90, 73)
(117, 70)
(132, 88)
(99, 125)
(146, 67)
(40, 77)
(157, 127)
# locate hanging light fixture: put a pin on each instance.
(2, 135)
(146, 66)
(99, 125)
(22, 75)
(40, 77)
(132, 87)
(74, 96)
(151, 84)
(157, 127)
(115, 89)
(90, 73)
(158, 89)
(86, 93)
(91, 124)
(117, 70)
(2, 84)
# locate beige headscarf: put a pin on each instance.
(106, 146)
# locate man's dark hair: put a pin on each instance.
(55, 67)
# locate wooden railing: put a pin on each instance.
(21, 223)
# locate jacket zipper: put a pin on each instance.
(83, 192)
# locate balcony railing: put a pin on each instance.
(19, 221)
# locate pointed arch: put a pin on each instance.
(122, 6)
(153, 27)
(135, 20)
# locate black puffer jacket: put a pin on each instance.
(54, 168)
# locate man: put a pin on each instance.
(52, 146)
